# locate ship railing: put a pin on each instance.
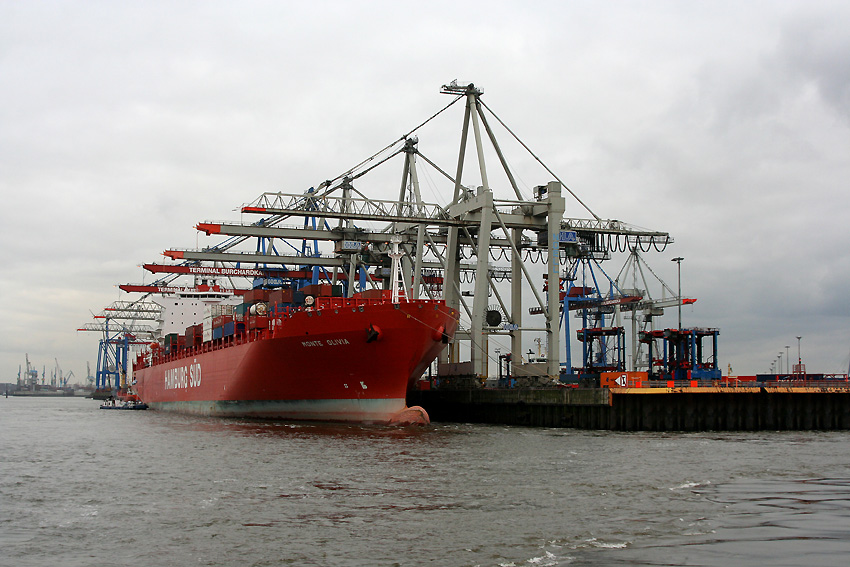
(337, 302)
(680, 383)
(210, 346)
(840, 382)
(250, 335)
(833, 383)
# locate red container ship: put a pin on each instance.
(329, 359)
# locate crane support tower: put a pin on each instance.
(687, 354)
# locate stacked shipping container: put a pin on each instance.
(258, 308)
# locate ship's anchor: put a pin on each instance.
(373, 333)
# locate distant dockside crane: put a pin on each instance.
(120, 329)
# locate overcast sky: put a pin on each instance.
(726, 124)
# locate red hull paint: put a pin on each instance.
(310, 365)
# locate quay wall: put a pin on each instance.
(645, 409)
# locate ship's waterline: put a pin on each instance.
(362, 410)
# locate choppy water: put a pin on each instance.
(80, 486)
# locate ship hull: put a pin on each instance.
(344, 362)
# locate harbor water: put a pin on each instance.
(81, 487)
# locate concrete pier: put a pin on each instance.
(646, 409)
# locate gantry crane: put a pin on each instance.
(346, 238)
(56, 379)
(633, 277)
(29, 381)
(120, 329)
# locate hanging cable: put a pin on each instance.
(401, 139)
(564, 185)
